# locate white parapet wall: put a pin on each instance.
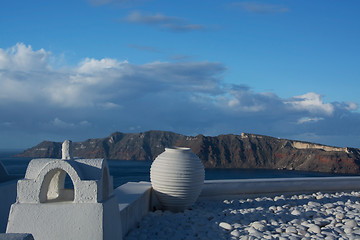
(218, 189)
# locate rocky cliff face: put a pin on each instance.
(223, 151)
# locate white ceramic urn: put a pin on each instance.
(177, 176)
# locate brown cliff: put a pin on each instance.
(223, 151)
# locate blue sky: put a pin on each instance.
(86, 68)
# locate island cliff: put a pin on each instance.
(223, 151)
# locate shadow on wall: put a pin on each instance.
(7, 195)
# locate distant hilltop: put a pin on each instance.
(223, 151)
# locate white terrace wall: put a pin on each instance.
(136, 199)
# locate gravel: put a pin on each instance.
(302, 216)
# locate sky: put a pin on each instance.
(84, 69)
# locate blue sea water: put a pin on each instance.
(134, 171)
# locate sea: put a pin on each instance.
(124, 171)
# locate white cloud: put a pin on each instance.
(144, 48)
(185, 97)
(309, 120)
(23, 58)
(61, 124)
(97, 82)
(311, 102)
(7, 124)
(138, 17)
(260, 8)
(23, 73)
(137, 128)
(57, 123)
(91, 65)
(118, 3)
(109, 105)
(85, 123)
(99, 2)
(164, 22)
(14, 89)
(242, 99)
(351, 106)
(183, 27)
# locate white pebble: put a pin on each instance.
(319, 197)
(329, 205)
(302, 232)
(290, 230)
(340, 216)
(258, 226)
(272, 208)
(235, 233)
(226, 226)
(351, 223)
(296, 212)
(274, 223)
(314, 228)
(329, 237)
(256, 234)
(314, 204)
(237, 225)
(347, 230)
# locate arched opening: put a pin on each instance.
(53, 187)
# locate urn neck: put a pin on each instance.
(177, 149)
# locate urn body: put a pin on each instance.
(177, 176)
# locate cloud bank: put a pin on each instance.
(164, 22)
(260, 8)
(119, 3)
(100, 96)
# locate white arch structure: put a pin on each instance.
(46, 209)
(44, 181)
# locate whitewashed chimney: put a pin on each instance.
(67, 151)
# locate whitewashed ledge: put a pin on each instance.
(136, 198)
(135, 201)
(222, 189)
